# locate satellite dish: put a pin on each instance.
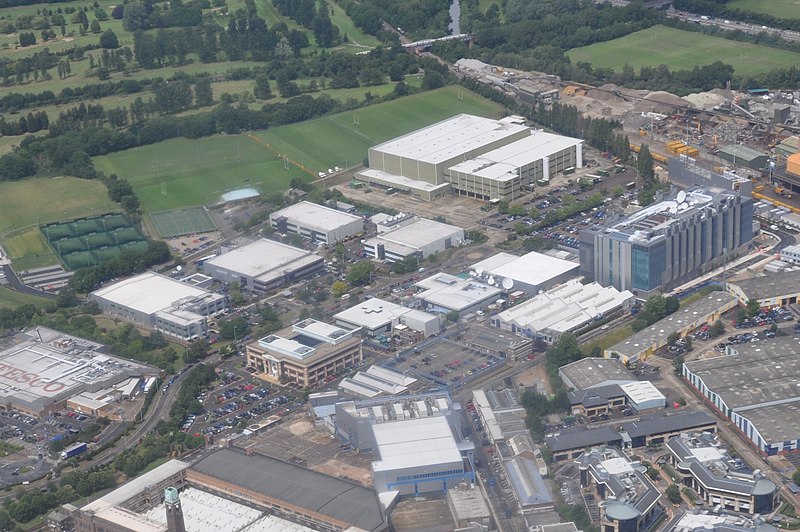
(683, 206)
(179, 268)
(491, 281)
(681, 196)
(479, 271)
(508, 283)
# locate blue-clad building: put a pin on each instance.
(669, 242)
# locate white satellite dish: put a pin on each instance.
(479, 271)
(508, 283)
(179, 268)
(491, 281)
(681, 196)
(683, 206)
(473, 274)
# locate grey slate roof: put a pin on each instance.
(336, 498)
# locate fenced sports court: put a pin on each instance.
(180, 222)
(89, 241)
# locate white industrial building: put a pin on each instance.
(404, 235)
(531, 273)
(316, 222)
(417, 456)
(376, 381)
(471, 156)
(263, 265)
(445, 293)
(161, 303)
(643, 395)
(564, 308)
(378, 316)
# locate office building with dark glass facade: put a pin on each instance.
(669, 242)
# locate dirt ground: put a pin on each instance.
(422, 515)
(298, 440)
(534, 377)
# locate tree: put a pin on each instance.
(109, 40)
(262, 90)
(453, 316)
(677, 364)
(95, 26)
(717, 329)
(432, 80)
(645, 164)
(672, 338)
(338, 289)
(752, 307)
(673, 493)
(796, 477)
(360, 274)
(203, 94)
(197, 350)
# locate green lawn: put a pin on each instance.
(334, 140)
(31, 202)
(776, 8)
(28, 249)
(197, 172)
(11, 299)
(355, 36)
(681, 49)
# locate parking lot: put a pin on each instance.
(443, 362)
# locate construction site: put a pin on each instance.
(739, 137)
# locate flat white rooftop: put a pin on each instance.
(43, 365)
(264, 259)
(504, 163)
(313, 216)
(150, 292)
(418, 442)
(534, 269)
(418, 233)
(374, 313)
(449, 138)
(451, 292)
(400, 181)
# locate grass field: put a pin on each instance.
(11, 299)
(776, 8)
(198, 172)
(32, 202)
(681, 49)
(28, 249)
(182, 222)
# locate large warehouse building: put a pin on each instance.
(471, 156)
(531, 273)
(447, 293)
(221, 493)
(416, 439)
(263, 265)
(669, 242)
(160, 303)
(403, 236)
(315, 222)
(755, 386)
(41, 370)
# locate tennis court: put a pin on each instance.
(182, 222)
(90, 241)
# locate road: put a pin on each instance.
(15, 284)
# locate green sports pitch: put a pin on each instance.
(682, 50)
(182, 173)
(776, 8)
(182, 222)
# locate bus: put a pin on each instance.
(631, 185)
(570, 170)
(543, 182)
